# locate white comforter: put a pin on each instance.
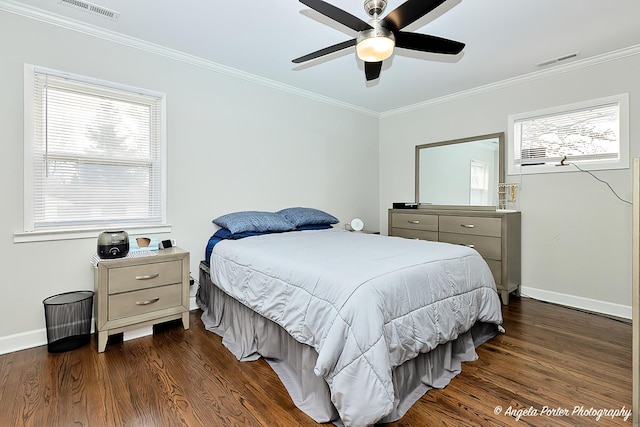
(366, 303)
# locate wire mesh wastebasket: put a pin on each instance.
(68, 320)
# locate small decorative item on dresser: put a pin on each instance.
(356, 224)
(166, 244)
(143, 242)
(405, 205)
(508, 195)
(113, 244)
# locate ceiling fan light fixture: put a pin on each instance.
(375, 7)
(375, 45)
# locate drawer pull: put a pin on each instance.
(147, 276)
(468, 225)
(149, 301)
(415, 221)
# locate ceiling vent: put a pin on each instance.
(558, 59)
(92, 8)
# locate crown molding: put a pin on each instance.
(132, 42)
(559, 69)
(37, 14)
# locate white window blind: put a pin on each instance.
(594, 134)
(96, 154)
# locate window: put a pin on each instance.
(94, 154)
(593, 135)
(479, 185)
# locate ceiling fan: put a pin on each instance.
(378, 37)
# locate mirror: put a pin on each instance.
(462, 172)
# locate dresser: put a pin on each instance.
(494, 234)
(141, 291)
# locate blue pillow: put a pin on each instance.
(223, 233)
(238, 222)
(314, 227)
(307, 216)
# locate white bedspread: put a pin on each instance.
(366, 303)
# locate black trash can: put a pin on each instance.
(68, 320)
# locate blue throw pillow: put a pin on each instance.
(238, 222)
(314, 227)
(223, 233)
(307, 216)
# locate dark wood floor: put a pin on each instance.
(550, 357)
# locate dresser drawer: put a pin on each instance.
(415, 234)
(495, 235)
(488, 247)
(414, 221)
(471, 225)
(144, 301)
(496, 270)
(131, 278)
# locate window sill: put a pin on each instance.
(51, 235)
(567, 167)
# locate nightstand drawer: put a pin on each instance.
(471, 225)
(131, 278)
(144, 301)
(488, 247)
(415, 221)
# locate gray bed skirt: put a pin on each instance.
(250, 336)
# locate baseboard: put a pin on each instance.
(26, 340)
(588, 304)
(137, 333)
(23, 341)
(38, 337)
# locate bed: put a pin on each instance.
(357, 326)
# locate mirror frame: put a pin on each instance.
(501, 150)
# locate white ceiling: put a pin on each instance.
(504, 39)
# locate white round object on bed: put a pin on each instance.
(356, 224)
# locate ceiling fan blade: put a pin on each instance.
(325, 51)
(408, 12)
(337, 14)
(372, 70)
(427, 43)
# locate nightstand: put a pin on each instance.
(365, 231)
(135, 292)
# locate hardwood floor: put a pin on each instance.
(550, 357)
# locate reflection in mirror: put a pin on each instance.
(461, 172)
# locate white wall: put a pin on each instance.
(576, 235)
(232, 145)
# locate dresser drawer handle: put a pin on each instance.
(468, 225)
(415, 221)
(149, 301)
(147, 276)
